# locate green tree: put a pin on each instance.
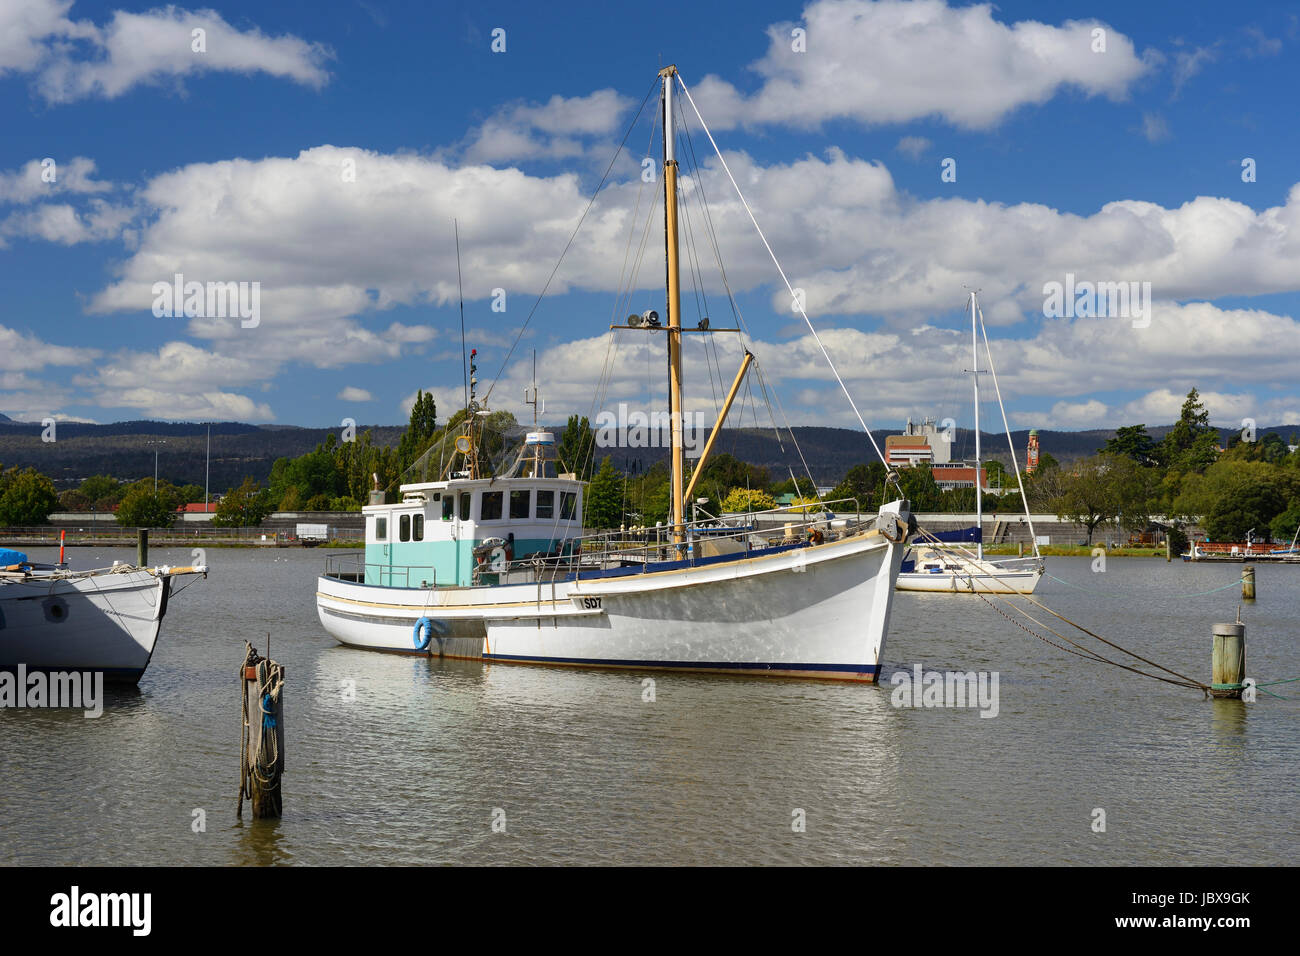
(420, 430)
(1283, 527)
(143, 507)
(1104, 487)
(919, 487)
(603, 507)
(1252, 506)
(1191, 445)
(1133, 442)
(864, 482)
(801, 486)
(747, 499)
(102, 488)
(244, 507)
(26, 498)
(576, 447)
(724, 471)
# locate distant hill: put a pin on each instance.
(122, 449)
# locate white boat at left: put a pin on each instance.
(105, 620)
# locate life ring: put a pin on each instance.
(424, 624)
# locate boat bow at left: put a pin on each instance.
(106, 620)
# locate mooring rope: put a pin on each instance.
(1182, 679)
(1230, 584)
(267, 762)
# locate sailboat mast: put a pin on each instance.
(674, 308)
(975, 375)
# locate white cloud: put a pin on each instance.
(181, 381)
(21, 351)
(890, 61)
(1187, 63)
(75, 175)
(353, 394)
(913, 146)
(561, 128)
(1154, 127)
(70, 60)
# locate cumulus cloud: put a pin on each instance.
(561, 128)
(47, 177)
(353, 394)
(890, 61)
(70, 60)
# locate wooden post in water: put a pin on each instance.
(262, 746)
(142, 548)
(1248, 582)
(1229, 661)
(1169, 552)
(1020, 549)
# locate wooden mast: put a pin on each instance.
(674, 310)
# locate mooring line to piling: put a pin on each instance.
(1230, 584)
(1182, 681)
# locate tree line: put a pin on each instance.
(1251, 485)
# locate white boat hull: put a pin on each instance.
(101, 622)
(819, 611)
(975, 582)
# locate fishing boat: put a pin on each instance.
(107, 620)
(495, 566)
(942, 561)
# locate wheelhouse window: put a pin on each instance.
(464, 507)
(545, 504)
(490, 509)
(381, 529)
(404, 528)
(448, 507)
(568, 505)
(417, 527)
(519, 503)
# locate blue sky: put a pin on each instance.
(1122, 164)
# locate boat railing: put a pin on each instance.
(788, 526)
(353, 568)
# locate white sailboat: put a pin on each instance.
(932, 564)
(496, 568)
(105, 620)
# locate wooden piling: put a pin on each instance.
(1248, 582)
(1169, 551)
(142, 548)
(1020, 549)
(262, 757)
(1228, 666)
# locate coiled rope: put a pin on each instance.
(268, 762)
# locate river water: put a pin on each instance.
(395, 760)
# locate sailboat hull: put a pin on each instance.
(100, 622)
(820, 611)
(960, 582)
